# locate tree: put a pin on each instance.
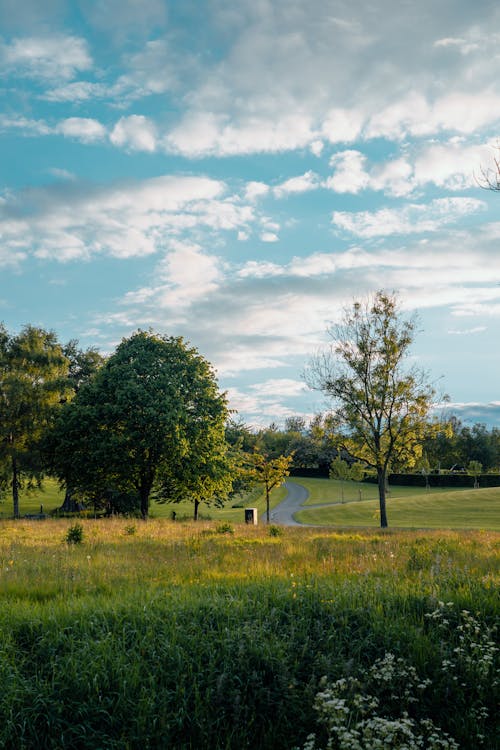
(343, 471)
(270, 472)
(381, 406)
(489, 178)
(33, 382)
(83, 365)
(151, 418)
(474, 469)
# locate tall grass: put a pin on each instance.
(175, 635)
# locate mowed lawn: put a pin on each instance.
(407, 507)
(327, 491)
(50, 497)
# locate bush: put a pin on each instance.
(275, 530)
(224, 528)
(74, 534)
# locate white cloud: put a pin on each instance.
(135, 132)
(410, 219)
(279, 387)
(151, 71)
(342, 125)
(25, 125)
(350, 175)
(77, 91)
(269, 237)
(125, 220)
(467, 331)
(82, 128)
(206, 133)
(54, 57)
(255, 190)
(295, 185)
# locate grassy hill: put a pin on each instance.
(406, 506)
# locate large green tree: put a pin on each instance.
(152, 417)
(33, 383)
(381, 404)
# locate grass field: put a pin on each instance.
(153, 635)
(51, 497)
(412, 507)
(326, 491)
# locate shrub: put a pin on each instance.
(275, 530)
(224, 528)
(74, 534)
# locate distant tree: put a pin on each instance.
(381, 405)
(33, 383)
(474, 469)
(151, 418)
(345, 472)
(269, 472)
(295, 424)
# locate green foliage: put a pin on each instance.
(475, 468)
(151, 419)
(269, 472)
(175, 637)
(275, 530)
(381, 405)
(74, 535)
(33, 382)
(224, 528)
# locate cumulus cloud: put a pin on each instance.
(411, 219)
(82, 128)
(205, 133)
(77, 91)
(135, 132)
(255, 190)
(350, 175)
(487, 413)
(124, 220)
(302, 184)
(54, 57)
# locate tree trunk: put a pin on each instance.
(267, 504)
(15, 487)
(144, 496)
(381, 476)
(196, 506)
(70, 505)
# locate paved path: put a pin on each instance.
(283, 513)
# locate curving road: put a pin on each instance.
(283, 513)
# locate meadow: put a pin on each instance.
(215, 635)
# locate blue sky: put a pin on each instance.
(237, 172)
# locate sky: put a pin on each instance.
(237, 172)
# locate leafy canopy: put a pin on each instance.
(152, 416)
(381, 404)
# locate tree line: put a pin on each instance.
(149, 421)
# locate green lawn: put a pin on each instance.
(51, 497)
(456, 509)
(327, 491)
